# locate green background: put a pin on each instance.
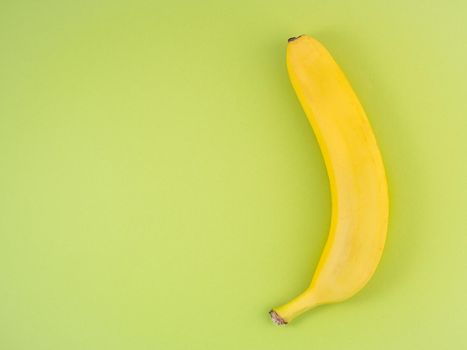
(160, 187)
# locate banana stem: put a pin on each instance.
(284, 314)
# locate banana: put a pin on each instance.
(356, 175)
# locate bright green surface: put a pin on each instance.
(160, 187)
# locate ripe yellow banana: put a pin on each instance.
(356, 175)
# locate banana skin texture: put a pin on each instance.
(357, 179)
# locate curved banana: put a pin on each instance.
(356, 175)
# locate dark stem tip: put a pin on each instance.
(276, 319)
(294, 38)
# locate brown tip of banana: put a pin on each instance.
(294, 38)
(276, 319)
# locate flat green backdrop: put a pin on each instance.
(160, 187)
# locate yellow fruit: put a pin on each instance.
(356, 176)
